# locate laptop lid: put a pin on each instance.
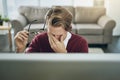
(59, 67)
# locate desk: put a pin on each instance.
(9, 34)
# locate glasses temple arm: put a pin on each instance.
(30, 24)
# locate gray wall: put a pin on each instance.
(114, 12)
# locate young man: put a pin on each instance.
(58, 37)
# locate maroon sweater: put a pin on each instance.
(41, 44)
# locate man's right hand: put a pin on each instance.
(21, 39)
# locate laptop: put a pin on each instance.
(59, 67)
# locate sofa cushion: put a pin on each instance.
(33, 13)
(89, 29)
(88, 14)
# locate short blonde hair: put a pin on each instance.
(58, 16)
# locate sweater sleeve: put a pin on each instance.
(83, 46)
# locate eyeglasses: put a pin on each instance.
(32, 34)
(36, 32)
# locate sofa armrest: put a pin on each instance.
(106, 22)
(20, 20)
(18, 23)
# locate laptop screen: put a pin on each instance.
(59, 66)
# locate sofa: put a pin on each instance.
(90, 22)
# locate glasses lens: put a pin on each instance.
(36, 32)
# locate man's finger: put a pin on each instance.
(61, 38)
(20, 38)
(23, 37)
(25, 33)
(56, 41)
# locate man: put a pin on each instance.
(58, 37)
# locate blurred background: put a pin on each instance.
(9, 9)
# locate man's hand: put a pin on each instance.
(56, 45)
(21, 39)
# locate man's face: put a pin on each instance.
(57, 32)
